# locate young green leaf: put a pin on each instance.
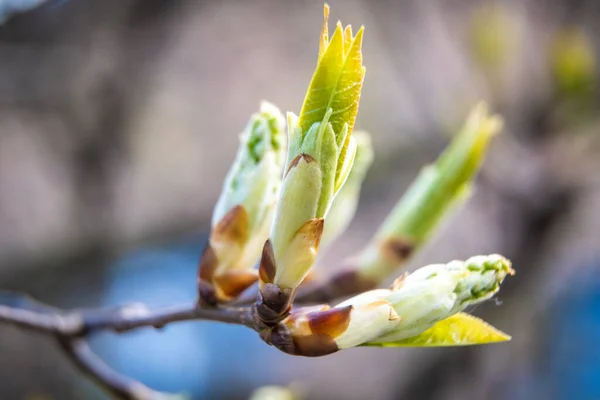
(337, 81)
(458, 330)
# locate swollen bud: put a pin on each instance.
(320, 155)
(244, 212)
(438, 291)
(318, 331)
(414, 304)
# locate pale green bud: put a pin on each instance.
(320, 155)
(371, 317)
(333, 151)
(438, 291)
(254, 178)
(315, 173)
(320, 330)
(381, 317)
(295, 248)
(244, 213)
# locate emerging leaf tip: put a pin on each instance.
(324, 39)
(488, 124)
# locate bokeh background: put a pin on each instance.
(118, 121)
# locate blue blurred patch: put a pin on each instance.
(574, 340)
(199, 357)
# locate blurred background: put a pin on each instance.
(118, 122)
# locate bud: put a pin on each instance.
(438, 291)
(434, 193)
(320, 155)
(346, 201)
(372, 316)
(297, 230)
(244, 212)
(413, 305)
(318, 331)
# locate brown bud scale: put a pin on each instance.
(399, 282)
(233, 227)
(273, 304)
(208, 264)
(307, 157)
(315, 345)
(267, 269)
(233, 283)
(397, 249)
(332, 322)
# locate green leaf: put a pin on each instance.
(337, 81)
(458, 330)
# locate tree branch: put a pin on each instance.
(63, 325)
(137, 316)
(126, 318)
(70, 328)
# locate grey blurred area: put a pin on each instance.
(118, 121)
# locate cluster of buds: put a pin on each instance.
(243, 214)
(321, 153)
(414, 304)
(279, 209)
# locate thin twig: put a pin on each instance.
(118, 385)
(126, 318)
(58, 324)
(133, 317)
(71, 328)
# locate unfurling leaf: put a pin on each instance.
(320, 155)
(337, 81)
(458, 330)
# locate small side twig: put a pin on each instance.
(118, 385)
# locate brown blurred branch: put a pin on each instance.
(87, 361)
(72, 327)
(322, 289)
